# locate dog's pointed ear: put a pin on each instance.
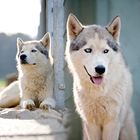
(114, 28)
(46, 40)
(74, 27)
(20, 43)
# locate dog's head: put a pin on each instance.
(91, 49)
(32, 53)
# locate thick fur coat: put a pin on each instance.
(34, 87)
(102, 85)
(35, 67)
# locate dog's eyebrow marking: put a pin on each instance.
(113, 45)
(76, 45)
(43, 50)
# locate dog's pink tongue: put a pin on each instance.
(97, 80)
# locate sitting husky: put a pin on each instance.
(34, 87)
(35, 67)
(102, 81)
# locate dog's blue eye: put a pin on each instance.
(88, 50)
(33, 50)
(106, 51)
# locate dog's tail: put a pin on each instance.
(10, 96)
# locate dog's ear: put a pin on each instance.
(114, 28)
(46, 40)
(74, 27)
(20, 43)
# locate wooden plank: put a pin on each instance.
(55, 25)
(59, 51)
(49, 20)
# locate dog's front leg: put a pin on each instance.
(111, 131)
(27, 104)
(48, 100)
(128, 131)
(91, 132)
(27, 101)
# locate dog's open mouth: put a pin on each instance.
(95, 79)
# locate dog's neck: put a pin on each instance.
(33, 71)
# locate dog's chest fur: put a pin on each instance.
(34, 82)
(98, 110)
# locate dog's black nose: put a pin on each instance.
(100, 69)
(23, 57)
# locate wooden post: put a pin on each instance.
(55, 25)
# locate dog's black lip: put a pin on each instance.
(25, 63)
(87, 71)
(88, 74)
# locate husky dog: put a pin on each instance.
(35, 84)
(102, 82)
(35, 67)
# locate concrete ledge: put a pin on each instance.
(23, 124)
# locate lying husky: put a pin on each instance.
(102, 82)
(35, 80)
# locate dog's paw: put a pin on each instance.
(44, 106)
(28, 104)
(49, 102)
